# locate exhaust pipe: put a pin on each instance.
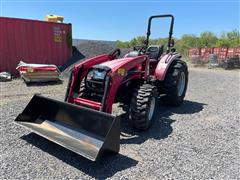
(84, 131)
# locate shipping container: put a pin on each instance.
(222, 54)
(205, 52)
(194, 54)
(194, 51)
(33, 41)
(216, 51)
(231, 52)
(237, 51)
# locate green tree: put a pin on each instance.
(234, 38)
(187, 41)
(223, 41)
(140, 39)
(120, 44)
(133, 42)
(208, 39)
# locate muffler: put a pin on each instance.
(84, 131)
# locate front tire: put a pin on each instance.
(175, 83)
(142, 107)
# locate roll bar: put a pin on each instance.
(170, 30)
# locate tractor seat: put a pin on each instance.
(154, 52)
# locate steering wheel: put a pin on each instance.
(142, 50)
(115, 54)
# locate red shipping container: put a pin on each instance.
(216, 51)
(33, 41)
(222, 54)
(205, 52)
(237, 51)
(231, 52)
(194, 52)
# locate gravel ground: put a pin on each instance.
(199, 140)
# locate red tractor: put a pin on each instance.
(83, 123)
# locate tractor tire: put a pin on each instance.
(228, 65)
(142, 107)
(175, 83)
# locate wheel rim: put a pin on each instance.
(152, 108)
(181, 84)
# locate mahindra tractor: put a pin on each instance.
(84, 122)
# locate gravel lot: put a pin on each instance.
(199, 140)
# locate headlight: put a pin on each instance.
(96, 74)
(99, 74)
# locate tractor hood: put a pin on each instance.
(118, 63)
(115, 64)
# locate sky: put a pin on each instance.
(123, 20)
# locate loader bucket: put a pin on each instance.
(84, 131)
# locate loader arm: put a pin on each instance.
(79, 72)
(140, 64)
(117, 72)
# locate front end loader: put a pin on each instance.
(83, 122)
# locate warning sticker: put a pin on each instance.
(57, 34)
(121, 71)
(30, 69)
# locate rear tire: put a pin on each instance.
(175, 83)
(142, 107)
